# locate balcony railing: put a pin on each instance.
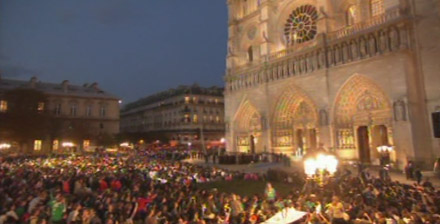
(389, 16)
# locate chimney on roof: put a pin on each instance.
(65, 85)
(85, 85)
(94, 86)
(33, 82)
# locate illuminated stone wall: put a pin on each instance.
(372, 74)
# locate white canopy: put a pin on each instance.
(286, 216)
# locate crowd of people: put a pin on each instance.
(156, 188)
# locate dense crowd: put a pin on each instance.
(156, 188)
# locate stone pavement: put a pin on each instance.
(248, 168)
(263, 167)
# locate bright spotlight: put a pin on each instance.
(321, 163)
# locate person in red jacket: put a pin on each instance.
(66, 186)
(103, 185)
(116, 185)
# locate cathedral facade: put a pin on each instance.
(346, 75)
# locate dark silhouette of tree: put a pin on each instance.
(26, 118)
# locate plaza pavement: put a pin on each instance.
(263, 167)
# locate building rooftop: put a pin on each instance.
(180, 90)
(63, 89)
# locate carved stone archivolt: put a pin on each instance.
(293, 110)
(360, 102)
(247, 119)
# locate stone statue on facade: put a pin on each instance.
(399, 110)
(354, 50)
(394, 39)
(383, 41)
(323, 117)
(372, 45)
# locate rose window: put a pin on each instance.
(301, 25)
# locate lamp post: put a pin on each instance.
(223, 141)
(384, 151)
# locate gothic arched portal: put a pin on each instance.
(247, 126)
(362, 117)
(294, 122)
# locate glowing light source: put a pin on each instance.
(5, 146)
(320, 163)
(385, 148)
(125, 144)
(67, 144)
(222, 140)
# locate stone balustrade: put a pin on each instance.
(377, 36)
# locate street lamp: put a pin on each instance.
(384, 151)
(385, 148)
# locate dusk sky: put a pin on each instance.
(132, 48)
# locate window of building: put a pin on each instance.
(195, 118)
(195, 100)
(376, 7)
(57, 110)
(3, 106)
(37, 145)
(73, 109)
(40, 107)
(351, 15)
(217, 119)
(187, 118)
(187, 99)
(216, 101)
(250, 54)
(86, 143)
(102, 111)
(301, 26)
(89, 110)
(55, 144)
